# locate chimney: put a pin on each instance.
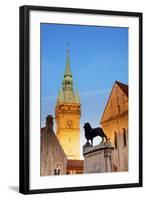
(49, 122)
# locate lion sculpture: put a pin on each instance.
(90, 133)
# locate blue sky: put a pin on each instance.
(99, 56)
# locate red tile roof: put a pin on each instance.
(75, 164)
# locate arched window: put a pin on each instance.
(124, 137)
(116, 89)
(69, 139)
(115, 141)
(57, 170)
(117, 100)
(118, 109)
(123, 98)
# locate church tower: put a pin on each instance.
(67, 115)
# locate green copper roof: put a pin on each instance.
(66, 93)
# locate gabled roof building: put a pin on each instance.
(114, 122)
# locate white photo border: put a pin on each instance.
(34, 183)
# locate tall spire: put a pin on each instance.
(66, 93)
(67, 69)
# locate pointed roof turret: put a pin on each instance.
(60, 96)
(77, 97)
(67, 69)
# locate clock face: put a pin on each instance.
(69, 123)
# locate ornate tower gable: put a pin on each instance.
(68, 108)
(117, 104)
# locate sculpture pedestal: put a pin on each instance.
(98, 158)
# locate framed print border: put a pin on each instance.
(24, 137)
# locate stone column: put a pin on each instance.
(108, 161)
(97, 159)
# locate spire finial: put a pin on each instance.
(67, 69)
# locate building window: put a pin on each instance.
(124, 137)
(117, 100)
(115, 141)
(116, 89)
(118, 109)
(123, 98)
(57, 170)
